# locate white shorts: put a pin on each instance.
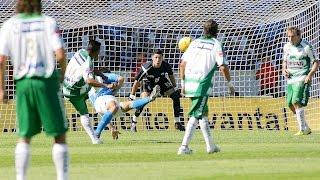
(101, 105)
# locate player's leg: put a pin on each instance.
(137, 113)
(29, 124)
(80, 105)
(299, 100)
(108, 108)
(141, 102)
(175, 96)
(54, 122)
(191, 126)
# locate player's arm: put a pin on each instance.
(223, 67)
(3, 96)
(314, 67)
(182, 68)
(171, 76)
(61, 60)
(136, 84)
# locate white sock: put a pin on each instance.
(60, 158)
(134, 119)
(191, 127)
(176, 119)
(22, 156)
(301, 119)
(206, 132)
(86, 124)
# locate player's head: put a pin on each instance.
(157, 58)
(29, 6)
(210, 28)
(94, 48)
(294, 35)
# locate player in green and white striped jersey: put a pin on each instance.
(31, 40)
(299, 65)
(78, 78)
(203, 57)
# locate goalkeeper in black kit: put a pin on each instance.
(152, 73)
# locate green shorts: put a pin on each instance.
(199, 107)
(298, 93)
(79, 103)
(39, 104)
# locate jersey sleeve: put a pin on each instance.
(311, 53)
(169, 69)
(285, 53)
(142, 72)
(111, 77)
(54, 36)
(4, 40)
(219, 54)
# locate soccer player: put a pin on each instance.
(298, 59)
(105, 103)
(157, 72)
(32, 41)
(78, 78)
(198, 64)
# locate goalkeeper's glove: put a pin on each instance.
(115, 134)
(132, 97)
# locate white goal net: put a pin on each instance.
(253, 32)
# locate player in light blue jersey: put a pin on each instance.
(106, 104)
(299, 66)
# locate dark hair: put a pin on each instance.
(28, 6)
(94, 46)
(158, 51)
(294, 30)
(210, 27)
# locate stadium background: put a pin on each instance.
(127, 29)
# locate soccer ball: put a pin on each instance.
(184, 43)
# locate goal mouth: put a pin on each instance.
(249, 32)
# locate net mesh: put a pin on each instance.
(252, 32)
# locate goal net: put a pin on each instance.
(253, 33)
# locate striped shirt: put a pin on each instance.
(30, 42)
(79, 69)
(202, 58)
(299, 59)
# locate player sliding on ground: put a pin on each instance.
(109, 107)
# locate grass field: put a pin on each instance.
(152, 155)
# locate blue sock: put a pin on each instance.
(106, 118)
(139, 103)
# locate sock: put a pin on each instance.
(191, 127)
(86, 124)
(105, 120)
(22, 156)
(206, 132)
(301, 119)
(139, 103)
(60, 158)
(176, 119)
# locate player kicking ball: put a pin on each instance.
(106, 104)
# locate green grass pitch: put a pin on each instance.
(152, 155)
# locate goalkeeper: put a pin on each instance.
(78, 78)
(157, 72)
(198, 64)
(106, 104)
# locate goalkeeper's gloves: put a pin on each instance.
(231, 88)
(132, 97)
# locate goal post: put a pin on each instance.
(251, 32)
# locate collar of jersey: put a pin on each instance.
(29, 15)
